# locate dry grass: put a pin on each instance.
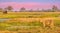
(36, 30)
(28, 20)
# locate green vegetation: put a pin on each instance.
(4, 25)
(57, 23)
(29, 14)
(16, 25)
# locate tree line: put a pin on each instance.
(10, 8)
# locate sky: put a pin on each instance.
(30, 4)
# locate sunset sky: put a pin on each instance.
(30, 4)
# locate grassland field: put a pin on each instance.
(31, 20)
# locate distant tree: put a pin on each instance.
(37, 10)
(1, 9)
(49, 10)
(9, 8)
(31, 10)
(54, 8)
(5, 11)
(22, 9)
(43, 10)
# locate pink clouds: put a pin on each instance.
(18, 5)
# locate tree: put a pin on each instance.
(22, 9)
(5, 11)
(38, 10)
(43, 10)
(9, 8)
(54, 8)
(1, 9)
(31, 10)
